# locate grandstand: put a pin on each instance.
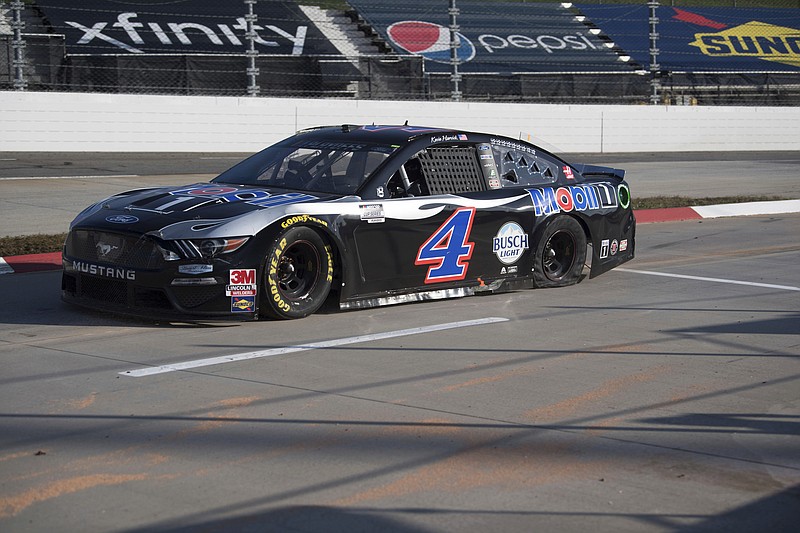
(508, 51)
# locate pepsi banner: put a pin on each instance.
(181, 27)
(500, 38)
(704, 38)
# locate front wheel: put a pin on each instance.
(298, 274)
(560, 253)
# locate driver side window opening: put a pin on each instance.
(408, 181)
(439, 170)
(452, 170)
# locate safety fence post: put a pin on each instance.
(18, 45)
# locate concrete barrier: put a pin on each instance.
(39, 121)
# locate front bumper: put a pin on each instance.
(150, 294)
(134, 279)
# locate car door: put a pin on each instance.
(444, 222)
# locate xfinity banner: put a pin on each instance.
(493, 37)
(705, 38)
(182, 26)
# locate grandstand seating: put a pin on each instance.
(531, 52)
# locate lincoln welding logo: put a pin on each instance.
(753, 39)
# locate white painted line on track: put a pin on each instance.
(305, 347)
(773, 207)
(714, 280)
(5, 268)
(70, 177)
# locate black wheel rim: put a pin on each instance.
(298, 269)
(559, 255)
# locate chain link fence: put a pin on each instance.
(343, 56)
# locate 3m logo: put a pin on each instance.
(754, 39)
(243, 277)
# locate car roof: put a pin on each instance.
(380, 134)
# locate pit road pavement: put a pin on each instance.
(661, 396)
(630, 402)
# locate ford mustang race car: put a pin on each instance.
(359, 216)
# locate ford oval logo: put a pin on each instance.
(122, 219)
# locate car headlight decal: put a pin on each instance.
(200, 248)
(213, 247)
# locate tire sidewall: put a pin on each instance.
(274, 302)
(573, 275)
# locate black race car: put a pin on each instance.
(361, 215)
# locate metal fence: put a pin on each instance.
(35, 56)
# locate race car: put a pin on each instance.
(355, 216)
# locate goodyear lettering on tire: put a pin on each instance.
(272, 277)
(329, 253)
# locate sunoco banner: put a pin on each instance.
(493, 37)
(705, 39)
(181, 27)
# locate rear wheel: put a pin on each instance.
(298, 274)
(560, 253)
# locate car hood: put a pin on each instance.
(194, 211)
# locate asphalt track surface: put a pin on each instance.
(662, 396)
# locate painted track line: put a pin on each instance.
(69, 177)
(17, 264)
(697, 212)
(714, 280)
(774, 207)
(174, 367)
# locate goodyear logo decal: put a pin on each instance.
(753, 39)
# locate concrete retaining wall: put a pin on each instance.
(31, 121)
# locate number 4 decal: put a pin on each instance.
(448, 250)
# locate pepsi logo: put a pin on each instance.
(429, 40)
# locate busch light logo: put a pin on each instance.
(122, 219)
(509, 243)
(429, 40)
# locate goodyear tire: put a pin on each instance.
(298, 274)
(560, 253)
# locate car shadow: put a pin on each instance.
(34, 298)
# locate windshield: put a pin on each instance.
(313, 166)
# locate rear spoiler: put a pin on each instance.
(595, 170)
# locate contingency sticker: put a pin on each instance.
(242, 282)
(372, 213)
(245, 304)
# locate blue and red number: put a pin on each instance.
(448, 249)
